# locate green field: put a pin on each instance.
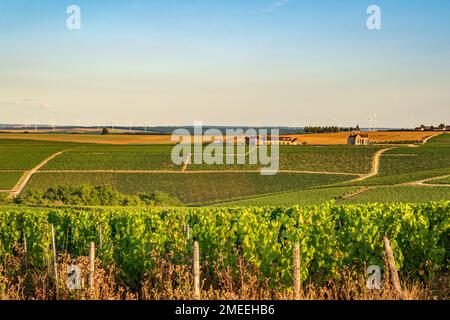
(405, 164)
(433, 155)
(399, 165)
(403, 177)
(346, 159)
(412, 194)
(245, 154)
(302, 197)
(110, 157)
(193, 187)
(26, 154)
(328, 158)
(9, 179)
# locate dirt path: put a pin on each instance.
(424, 183)
(230, 154)
(21, 184)
(379, 153)
(430, 137)
(375, 164)
(356, 193)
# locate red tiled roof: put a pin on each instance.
(362, 135)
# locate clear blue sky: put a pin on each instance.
(275, 62)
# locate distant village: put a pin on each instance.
(441, 127)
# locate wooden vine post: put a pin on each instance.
(297, 275)
(100, 237)
(25, 251)
(91, 267)
(196, 268)
(392, 268)
(55, 266)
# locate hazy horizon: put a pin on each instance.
(49, 126)
(256, 63)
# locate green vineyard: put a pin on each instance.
(331, 237)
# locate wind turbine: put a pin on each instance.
(411, 123)
(53, 124)
(333, 121)
(35, 124)
(372, 121)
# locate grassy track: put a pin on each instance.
(404, 177)
(440, 181)
(411, 194)
(191, 188)
(302, 197)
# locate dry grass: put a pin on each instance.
(376, 136)
(174, 282)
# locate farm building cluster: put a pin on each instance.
(441, 127)
(262, 140)
(271, 140)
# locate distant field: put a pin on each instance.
(191, 188)
(302, 197)
(93, 138)
(312, 139)
(109, 157)
(337, 159)
(402, 194)
(131, 157)
(9, 179)
(26, 154)
(399, 165)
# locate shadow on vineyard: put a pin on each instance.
(243, 253)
